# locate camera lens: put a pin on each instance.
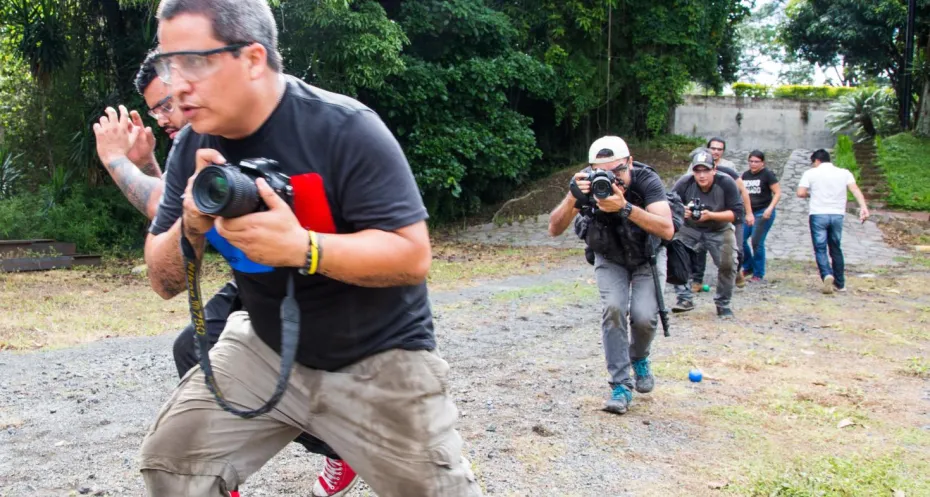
(601, 187)
(225, 191)
(218, 189)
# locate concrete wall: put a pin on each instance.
(750, 123)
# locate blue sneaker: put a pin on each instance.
(619, 400)
(645, 382)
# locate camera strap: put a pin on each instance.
(660, 295)
(290, 334)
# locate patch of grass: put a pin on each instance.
(904, 158)
(458, 265)
(62, 308)
(565, 292)
(917, 366)
(841, 477)
(820, 409)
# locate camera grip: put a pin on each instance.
(576, 192)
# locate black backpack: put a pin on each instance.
(678, 267)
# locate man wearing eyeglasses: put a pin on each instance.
(717, 147)
(368, 380)
(709, 226)
(620, 230)
(126, 148)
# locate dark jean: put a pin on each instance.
(827, 233)
(754, 243)
(217, 309)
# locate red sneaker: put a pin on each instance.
(234, 493)
(336, 479)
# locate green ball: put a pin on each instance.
(705, 288)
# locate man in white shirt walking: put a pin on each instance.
(825, 185)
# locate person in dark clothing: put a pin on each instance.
(717, 146)
(126, 148)
(764, 194)
(711, 228)
(352, 249)
(623, 230)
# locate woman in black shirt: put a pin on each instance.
(764, 193)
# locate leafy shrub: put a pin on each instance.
(799, 92)
(844, 157)
(751, 90)
(904, 159)
(97, 220)
(804, 92)
(868, 112)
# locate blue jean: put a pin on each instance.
(754, 243)
(827, 233)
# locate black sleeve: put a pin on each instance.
(729, 172)
(652, 189)
(179, 167)
(681, 188)
(732, 199)
(374, 184)
(772, 178)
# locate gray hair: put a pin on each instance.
(234, 21)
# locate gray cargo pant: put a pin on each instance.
(723, 249)
(631, 313)
(389, 416)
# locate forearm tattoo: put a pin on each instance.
(135, 185)
(151, 169)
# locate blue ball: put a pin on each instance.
(695, 375)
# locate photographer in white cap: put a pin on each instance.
(622, 214)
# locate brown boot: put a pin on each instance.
(696, 287)
(740, 279)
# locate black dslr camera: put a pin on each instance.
(229, 190)
(696, 207)
(601, 186)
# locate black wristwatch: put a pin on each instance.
(626, 210)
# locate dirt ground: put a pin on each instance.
(803, 394)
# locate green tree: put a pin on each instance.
(868, 37)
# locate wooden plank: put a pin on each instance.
(26, 250)
(35, 263)
(16, 242)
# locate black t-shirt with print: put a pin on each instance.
(368, 184)
(759, 186)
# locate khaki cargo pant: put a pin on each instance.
(389, 416)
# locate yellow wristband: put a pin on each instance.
(314, 252)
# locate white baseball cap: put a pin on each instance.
(607, 149)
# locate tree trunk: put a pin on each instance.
(923, 118)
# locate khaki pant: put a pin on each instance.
(389, 416)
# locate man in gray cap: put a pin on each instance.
(713, 202)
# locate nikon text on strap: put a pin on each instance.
(290, 334)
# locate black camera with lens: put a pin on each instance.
(601, 186)
(696, 208)
(229, 190)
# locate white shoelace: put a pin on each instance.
(332, 471)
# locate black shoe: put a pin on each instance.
(725, 313)
(683, 305)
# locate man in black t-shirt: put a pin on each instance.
(126, 149)
(623, 231)
(711, 229)
(717, 147)
(354, 243)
